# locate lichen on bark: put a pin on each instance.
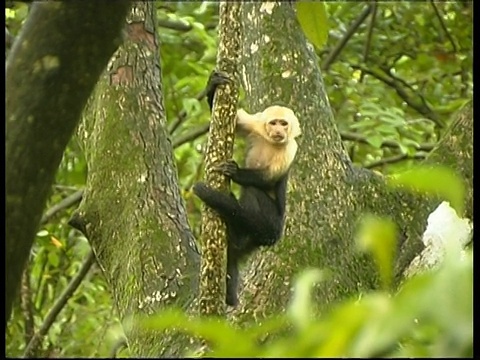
(219, 148)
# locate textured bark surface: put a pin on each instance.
(327, 195)
(219, 148)
(50, 72)
(456, 150)
(132, 211)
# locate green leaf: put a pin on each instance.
(313, 20)
(211, 329)
(379, 236)
(434, 180)
(268, 326)
(191, 105)
(375, 140)
(42, 233)
(301, 307)
(344, 323)
(53, 258)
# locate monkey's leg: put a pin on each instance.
(259, 216)
(226, 205)
(233, 275)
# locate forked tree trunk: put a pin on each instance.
(327, 194)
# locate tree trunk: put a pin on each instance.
(327, 194)
(50, 72)
(219, 148)
(132, 211)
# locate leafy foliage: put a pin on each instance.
(400, 77)
(379, 324)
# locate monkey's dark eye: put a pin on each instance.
(280, 122)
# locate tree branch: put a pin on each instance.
(27, 306)
(421, 107)
(444, 27)
(65, 203)
(220, 147)
(366, 50)
(332, 56)
(191, 135)
(348, 136)
(59, 305)
(394, 159)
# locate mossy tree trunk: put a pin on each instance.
(132, 211)
(327, 195)
(50, 72)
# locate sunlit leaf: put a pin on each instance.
(42, 233)
(434, 180)
(375, 140)
(312, 17)
(301, 308)
(378, 236)
(57, 243)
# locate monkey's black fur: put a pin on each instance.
(256, 219)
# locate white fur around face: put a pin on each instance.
(275, 159)
(262, 153)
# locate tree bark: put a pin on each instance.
(456, 150)
(132, 211)
(50, 72)
(220, 148)
(327, 194)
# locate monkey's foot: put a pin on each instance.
(215, 79)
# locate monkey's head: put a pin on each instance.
(276, 124)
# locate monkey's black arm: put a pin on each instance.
(252, 177)
(281, 194)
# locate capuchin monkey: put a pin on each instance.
(257, 218)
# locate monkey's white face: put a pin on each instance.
(276, 124)
(277, 130)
